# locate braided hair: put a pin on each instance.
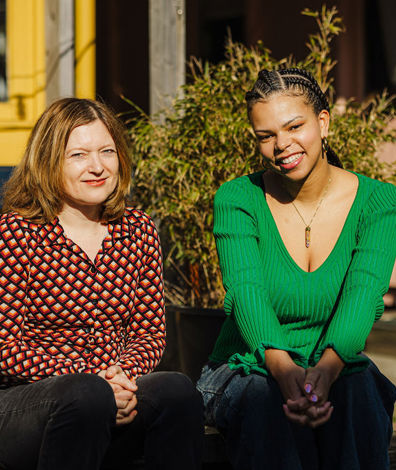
(295, 81)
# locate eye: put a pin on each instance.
(263, 138)
(77, 155)
(109, 151)
(295, 127)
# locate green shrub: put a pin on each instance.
(184, 154)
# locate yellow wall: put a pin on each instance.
(25, 76)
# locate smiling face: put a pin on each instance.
(289, 134)
(90, 171)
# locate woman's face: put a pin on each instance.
(90, 172)
(289, 134)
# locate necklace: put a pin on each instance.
(308, 226)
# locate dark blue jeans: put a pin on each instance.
(68, 423)
(248, 411)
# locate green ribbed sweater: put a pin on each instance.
(271, 302)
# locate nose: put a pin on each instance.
(95, 163)
(282, 141)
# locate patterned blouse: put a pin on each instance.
(60, 313)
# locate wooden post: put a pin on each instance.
(167, 19)
(59, 28)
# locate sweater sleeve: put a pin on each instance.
(145, 340)
(367, 279)
(18, 361)
(247, 300)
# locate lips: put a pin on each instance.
(291, 161)
(98, 182)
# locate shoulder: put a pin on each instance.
(15, 235)
(376, 194)
(243, 188)
(13, 223)
(136, 216)
(139, 219)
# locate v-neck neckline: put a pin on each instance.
(288, 257)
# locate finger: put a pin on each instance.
(123, 381)
(298, 418)
(126, 411)
(121, 420)
(319, 396)
(121, 414)
(123, 394)
(122, 400)
(116, 388)
(298, 405)
(318, 422)
(311, 379)
(122, 403)
(112, 371)
(315, 386)
(315, 412)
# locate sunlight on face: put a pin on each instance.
(289, 133)
(90, 172)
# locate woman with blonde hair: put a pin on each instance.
(306, 251)
(82, 322)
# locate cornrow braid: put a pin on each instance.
(298, 82)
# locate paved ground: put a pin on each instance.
(381, 345)
(386, 364)
(381, 348)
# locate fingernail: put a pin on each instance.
(314, 398)
(308, 388)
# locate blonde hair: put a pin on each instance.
(35, 188)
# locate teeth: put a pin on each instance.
(291, 159)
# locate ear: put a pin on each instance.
(324, 120)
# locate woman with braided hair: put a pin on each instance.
(306, 251)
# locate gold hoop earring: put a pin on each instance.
(325, 146)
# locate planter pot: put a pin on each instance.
(191, 335)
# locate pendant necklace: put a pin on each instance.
(308, 226)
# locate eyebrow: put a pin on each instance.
(283, 125)
(84, 148)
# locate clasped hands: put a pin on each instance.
(124, 393)
(305, 391)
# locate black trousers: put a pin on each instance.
(68, 423)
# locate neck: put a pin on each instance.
(311, 188)
(84, 218)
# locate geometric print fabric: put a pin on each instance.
(60, 313)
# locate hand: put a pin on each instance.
(309, 412)
(289, 376)
(118, 379)
(320, 378)
(290, 379)
(318, 382)
(124, 393)
(301, 407)
(126, 410)
(291, 384)
(319, 415)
